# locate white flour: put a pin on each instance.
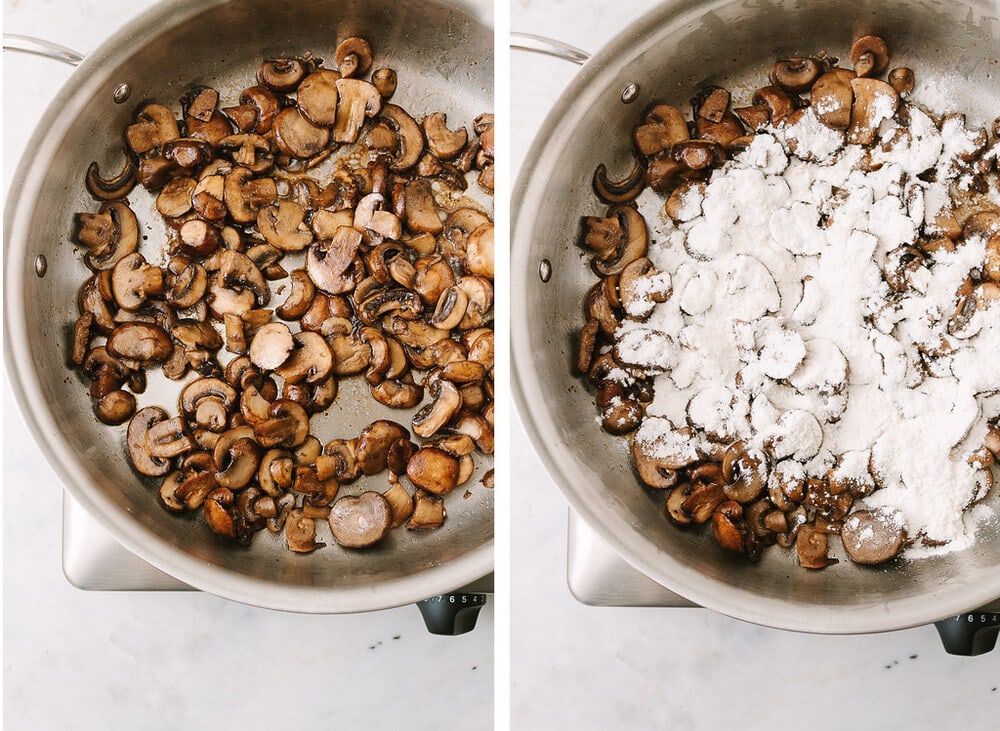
(782, 329)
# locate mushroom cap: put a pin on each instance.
(138, 447)
(271, 345)
(360, 521)
(410, 137)
(353, 56)
(328, 260)
(434, 470)
(317, 97)
(357, 101)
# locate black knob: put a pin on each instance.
(969, 634)
(451, 614)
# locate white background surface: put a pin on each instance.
(580, 667)
(82, 660)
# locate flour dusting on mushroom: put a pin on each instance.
(830, 330)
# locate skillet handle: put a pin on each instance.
(39, 47)
(451, 614)
(974, 633)
(547, 47)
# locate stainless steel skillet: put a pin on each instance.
(443, 54)
(669, 54)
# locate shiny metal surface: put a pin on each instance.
(40, 47)
(443, 54)
(670, 53)
(533, 43)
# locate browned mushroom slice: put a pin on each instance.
(811, 546)
(360, 521)
(901, 79)
(421, 209)
(435, 415)
(141, 342)
(286, 425)
(779, 102)
(281, 74)
(271, 346)
(299, 298)
(167, 438)
(428, 511)
(317, 97)
(237, 271)
(133, 280)
(110, 234)
(187, 152)
(282, 225)
(217, 505)
(653, 470)
(434, 470)
(367, 216)
(237, 457)
(479, 251)
(174, 199)
(729, 527)
(870, 56)
(244, 195)
(328, 260)
(444, 143)
(832, 97)
(410, 138)
(663, 126)
(874, 102)
(138, 447)
(250, 151)
(796, 75)
(115, 187)
(357, 101)
(116, 407)
(628, 245)
(300, 533)
(400, 503)
(620, 191)
(374, 442)
(384, 80)
(872, 536)
(208, 198)
(353, 56)
(264, 106)
(746, 472)
(311, 360)
(297, 136)
(154, 125)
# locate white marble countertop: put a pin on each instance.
(574, 666)
(96, 660)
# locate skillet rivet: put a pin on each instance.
(41, 265)
(630, 93)
(545, 270)
(121, 93)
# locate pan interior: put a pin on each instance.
(670, 54)
(443, 56)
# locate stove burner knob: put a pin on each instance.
(451, 614)
(969, 634)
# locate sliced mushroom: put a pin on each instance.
(400, 504)
(872, 536)
(110, 234)
(421, 209)
(282, 225)
(237, 458)
(796, 75)
(154, 125)
(901, 79)
(444, 143)
(237, 271)
(832, 97)
(133, 280)
(620, 191)
(245, 195)
(428, 512)
(874, 102)
(479, 251)
(116, 407)
(300, 298)
(140, 341)
(811, 546)
(329, 260)
(250, 151)
(374, 442)
(281, 74)
(311, 360)
(297, 136)
(115, 187)
(870, 56)
(653, 470)
(300, 533)
(663, 126)
(138, 447)
(266, 106)
(435, 415)
(384, 80)
(360, 521)
(409, 137)
(317, 97)
(353, 56)
(433, 470)
(357, 101)
(271, 346)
